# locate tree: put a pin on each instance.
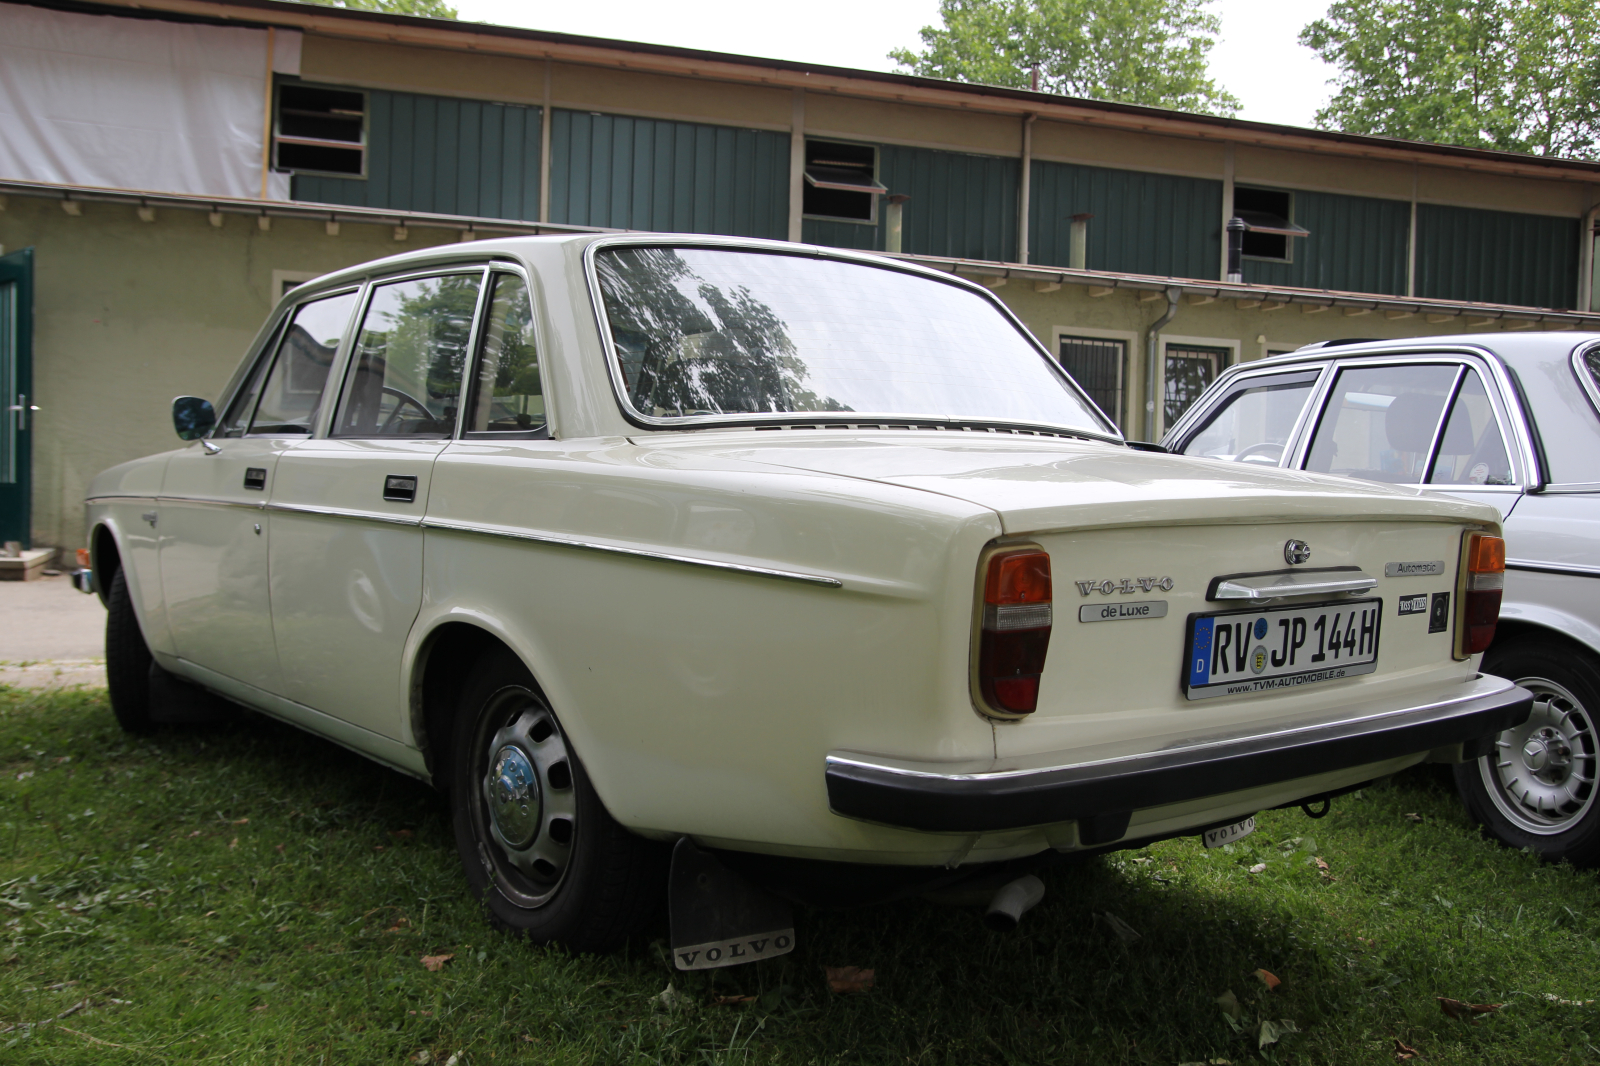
(433, 9)
(1519, 75)
(1133, 51)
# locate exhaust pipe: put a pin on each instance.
(1012, 902)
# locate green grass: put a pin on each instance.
(131, 883)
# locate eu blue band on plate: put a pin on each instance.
(1200, 657)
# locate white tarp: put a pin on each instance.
(136, 103)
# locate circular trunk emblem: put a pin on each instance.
(1296, 552)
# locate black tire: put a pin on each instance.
(1538, 789)
(560, 869)
(127, 660)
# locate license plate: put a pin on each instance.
(1235, 653)
(1227, 834)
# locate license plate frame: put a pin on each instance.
(1227, 834)
(1206, 674)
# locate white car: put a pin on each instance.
(1512, 420)
(751, 549)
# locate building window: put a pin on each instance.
(1269, 214)
(321, 131)
(1096, 365)
(1189, 369)
(841, 181)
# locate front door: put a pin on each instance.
(212, 515)
(17, 407)
(347, 510)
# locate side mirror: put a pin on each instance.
(192, 417)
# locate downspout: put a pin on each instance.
(1586, 262)
(1151, 354)
(1024, 193)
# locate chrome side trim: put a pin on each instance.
(212, 501)
(1277, 586)
(1575, 569)
(334, 512)
(617, 549)
(115, 498)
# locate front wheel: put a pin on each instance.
(539, 848)
(1537, 789)
(127, 660)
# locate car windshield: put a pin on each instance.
(718, 332)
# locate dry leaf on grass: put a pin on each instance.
(278, 848)
(1273, 1031)
(402, 834)
(233, 843)
(399, 925)
(1230, 1004)
(1403, 1051)
(1412, 816)
(734, 1001)
(668, 998)
(848, 979)
(1466, 1012)
(435, 963)
(241, 821)
(1259, 868)
(1269, 979)
(1321, 865)
(1568, 1002)
(1125, 932)
(194, 834)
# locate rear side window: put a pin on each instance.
(1473, 449)
(507, 393)
(292, 394)
(1380, 422)
(1253, 422)
(405, 374)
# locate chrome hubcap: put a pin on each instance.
(1542, 773)
(528, 796)
(514, 797)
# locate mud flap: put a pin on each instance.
(719, 918)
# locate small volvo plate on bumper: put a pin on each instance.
(1227, 834)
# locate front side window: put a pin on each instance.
(507, 393)
(288, 402)
(405, 374)
(1380, 422)
(705, 332)
(1472, 450)
(1252, 425)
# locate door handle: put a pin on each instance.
(255, 478)
(22, 407)
(401, 488)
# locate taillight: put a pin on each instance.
(1484, 563)
(1016, 630)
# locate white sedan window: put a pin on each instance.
(405, 377)
(507, 394)
(1473, 450)
(1380, 422)
(707, 332)
(293, 391)
(1253, 424)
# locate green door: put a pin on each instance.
(16, 394)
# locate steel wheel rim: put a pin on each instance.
(1541, 775)
(525, 806)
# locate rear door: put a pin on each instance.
(346, 551)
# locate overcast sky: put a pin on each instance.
(1257, 58)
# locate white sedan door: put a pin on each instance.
(346, 553)
(213, 526)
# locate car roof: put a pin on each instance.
(1519, 350)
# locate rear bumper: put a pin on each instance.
(931, 797)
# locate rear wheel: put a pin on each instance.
(127, 660)
(539, 848)
(1537, 789)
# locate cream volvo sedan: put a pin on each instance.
(768, 572)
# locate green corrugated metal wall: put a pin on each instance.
(1143, 223)
(681, 177)
(438, 153)
(1357, 244)
(961, 205)
(1496, 256)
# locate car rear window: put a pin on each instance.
(707, 332)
